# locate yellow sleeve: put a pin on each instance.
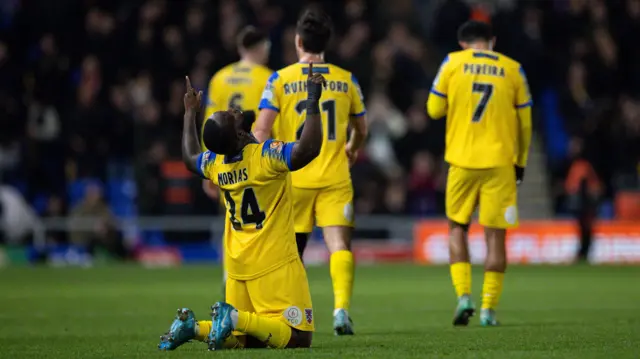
(523, 96)
(523, 104)
(271, 94)
(357, 99)
(440, 85)
(524, 135)
(437, 101)
(436, 106)
(276, 156)
(205, 164)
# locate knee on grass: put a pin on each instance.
(300, 339)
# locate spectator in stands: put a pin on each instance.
(584, 188)
(94, 225)
(55, 209)
(109, 93)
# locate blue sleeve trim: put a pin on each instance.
(526, 104)
(521, 70)
(359, 114)
(204, 157)
(354, 80)
(286, 154)
(278, 153)
(440, 94)
(199, 165)
(266, 104)
(446, 59)
(274, 76)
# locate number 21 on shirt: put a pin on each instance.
(329, 108)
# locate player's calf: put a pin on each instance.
(495, 266)
(460, 268)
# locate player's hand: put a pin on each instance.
(192, 99)
(315, 82)
(519, 175)
(351, 155)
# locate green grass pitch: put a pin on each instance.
(400, 311)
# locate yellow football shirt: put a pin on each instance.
(483, 90)
(286, 93)
(256, 186)
(239, 84)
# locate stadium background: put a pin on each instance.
(90, 120)
(91, 100)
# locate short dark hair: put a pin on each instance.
(314, 28)
(249, 37)
(217, 138)
(474, 30)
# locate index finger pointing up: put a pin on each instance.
(189, 87)
(310, 69)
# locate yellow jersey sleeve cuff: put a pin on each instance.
(437, 93)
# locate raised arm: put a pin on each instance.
(190, 145)
(310, 143)
(269, 108)
(264, 124)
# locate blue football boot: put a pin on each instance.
(488, 318)
(465, 310)
(182, 330)
(221, 325)
(342, 323)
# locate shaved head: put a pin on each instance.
(223, 131)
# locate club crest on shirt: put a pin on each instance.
(267, 94)
(205, 159)
(276, 146)
(308, 313)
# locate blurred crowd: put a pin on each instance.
(93, 88)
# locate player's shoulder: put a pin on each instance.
(261, 70)
(337, 70)
(507, 61)
(290, 70)
(454, 57)
(225, 71)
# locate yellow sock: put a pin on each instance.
(204, 327)
(491, 289)
(342, 268)
(461, 278)
(202, 334)
(272, 332)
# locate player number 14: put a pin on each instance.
(486, 90)
(250, 212)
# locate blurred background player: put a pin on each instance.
(239, 85)
(268, 299)
(486, 100)
(323, 192)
